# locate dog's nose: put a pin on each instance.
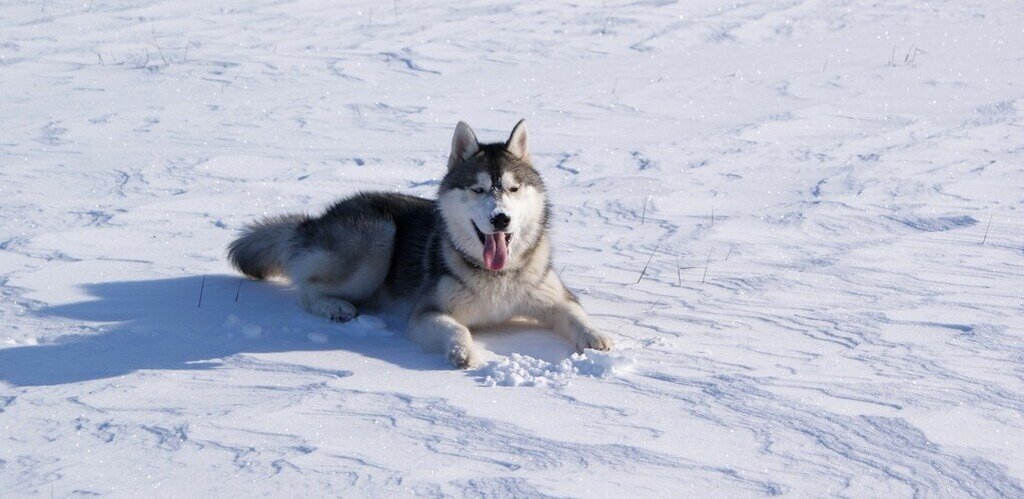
(500, 221)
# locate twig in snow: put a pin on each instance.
(644, 271)
(913, 56)
(680, 269)
(652, 307)
(158, 49)
(987, 227)
(892, 58)
(202, 286)
(232, 82)
(643, 214)
(708, 262)
(239, 290)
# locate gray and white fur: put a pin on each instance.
(478, 255)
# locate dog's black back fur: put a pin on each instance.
(416, 258)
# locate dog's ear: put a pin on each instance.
(518, 143)
(464, 144)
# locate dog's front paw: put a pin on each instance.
(461, 356)
(344, 316)
(589, 338)
(335, 309)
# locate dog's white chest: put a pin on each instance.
(487, 300)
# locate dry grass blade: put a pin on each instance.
(644, 271)
(202, 287)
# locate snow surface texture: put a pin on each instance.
(800, 220)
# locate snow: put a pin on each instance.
(523, 370)
(800, 221)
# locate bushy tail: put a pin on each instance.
(264, 247)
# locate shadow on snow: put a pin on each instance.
(158, 324)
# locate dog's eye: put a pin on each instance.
(478, 190)
(513, 189)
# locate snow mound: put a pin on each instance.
(248, 330)
(523, 370)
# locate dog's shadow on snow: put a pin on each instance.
(164, 324)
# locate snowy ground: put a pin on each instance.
(829, 195)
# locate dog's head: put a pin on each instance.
(492, 199)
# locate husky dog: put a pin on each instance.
(479, 255)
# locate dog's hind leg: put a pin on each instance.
(341, 266)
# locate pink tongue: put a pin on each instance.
(495, 251)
